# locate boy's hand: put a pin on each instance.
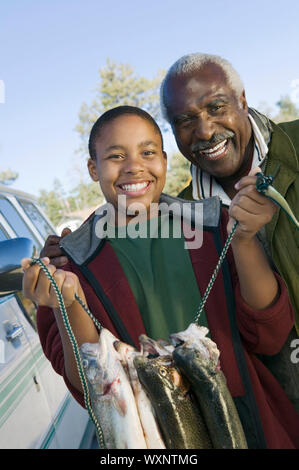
(51, 249)
(37, 287)
(250, 208)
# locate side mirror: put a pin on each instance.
(11, 273)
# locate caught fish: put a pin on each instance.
(198, 358)
(155, 348)
(149, 424)
(111, 395)
(197, 336)
(179, 418)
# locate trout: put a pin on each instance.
(178, 416)
(111, 396)
(146, 412)
(198, 359)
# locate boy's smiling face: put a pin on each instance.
(130, 161)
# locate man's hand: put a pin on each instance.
(51, 249)
(37, 286)
(250, 208)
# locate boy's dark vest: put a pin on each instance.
(96, 261)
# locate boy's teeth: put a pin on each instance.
(218, 149)
(133, 187)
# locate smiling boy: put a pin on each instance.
(128, 159)
(154, 285)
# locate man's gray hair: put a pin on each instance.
(194, 62)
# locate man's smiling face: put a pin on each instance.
(210, 123)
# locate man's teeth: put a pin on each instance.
(134, 187)
(215, 151)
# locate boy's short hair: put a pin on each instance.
(113, 114)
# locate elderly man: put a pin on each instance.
(203, 99)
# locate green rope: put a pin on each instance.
(75, 346)
(214, 275)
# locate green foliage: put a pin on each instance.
(85, 195)
(52, 205)
(119, 85)
(7, 177)
(288, 111)
(58, 205)
(53, 202)
(178, 174)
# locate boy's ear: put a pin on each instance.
(165, 155)
(92, 168)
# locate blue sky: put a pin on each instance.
(51, 51)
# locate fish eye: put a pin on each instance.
(163, 371)
(85, 363)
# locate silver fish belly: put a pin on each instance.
(111, 395)
(146, 412)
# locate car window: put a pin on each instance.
(3, 235)
(37, 218)
(14, 219)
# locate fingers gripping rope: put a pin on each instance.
(75, 346)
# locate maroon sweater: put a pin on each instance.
(239, 332)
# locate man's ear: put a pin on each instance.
(165, 155)
(92, 168)
(243, 102)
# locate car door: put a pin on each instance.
(36, 410)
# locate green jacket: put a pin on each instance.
(282, 236)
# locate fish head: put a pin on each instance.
(151, 347)
(195, 337)
(95, 373)
(100, 361)
(194, 332)
(127, 353)
(159, 372)
(187, 358)
(125, 350)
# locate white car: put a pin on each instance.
(36, 409)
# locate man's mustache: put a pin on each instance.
(215, 139)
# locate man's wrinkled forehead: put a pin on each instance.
(187, 90)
